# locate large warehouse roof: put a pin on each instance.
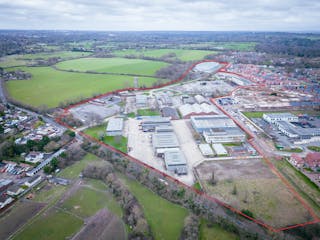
(164, 140)
(212, 121)
(203, 108)
(174, 158)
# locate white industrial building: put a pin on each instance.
(274, 117)
(219, 149)
(224, 135)
(115, 127)
(206, 150)
(188, 110)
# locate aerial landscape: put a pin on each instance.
(145, 121)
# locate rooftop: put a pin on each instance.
(115, 124)
(205, 149)
(280, 115)
(212, 121)
(164, 140)
(174, 158)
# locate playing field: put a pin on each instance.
(86, 202)
(55, 224)
(51, 87)
(182, 54)
(165, 218)
(113, 65)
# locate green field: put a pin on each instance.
(182, 54)
(148, 112)
(75, 169)
(113, 65)
(62, 54)
(51, 87)
(86, 202)
(214, 232)
(165, 218)
(119, 142)
(51, 226)
(11, 61)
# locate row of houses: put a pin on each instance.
(312, 161)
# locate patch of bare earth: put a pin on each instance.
(103, 225)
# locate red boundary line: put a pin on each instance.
(111, 148)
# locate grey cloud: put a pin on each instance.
(291, 15)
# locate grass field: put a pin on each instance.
(119, 142)
(307, 189)
(62, 54)
(148, 112)
(86, 202)
(250, 184)
(238, 46)
(165, 219)
(182, 54)
(17, 216)
(51, 226)
(11, 61)
(75, 169)
(51, 87)
(113, 65)
(214, 232)
(260, 114)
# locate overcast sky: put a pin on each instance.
(211, 15)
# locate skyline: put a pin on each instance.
(165, 15)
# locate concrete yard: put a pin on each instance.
(140, 146)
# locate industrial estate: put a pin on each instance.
(166, 141)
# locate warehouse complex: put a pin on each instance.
(188, 110)
(217, 129)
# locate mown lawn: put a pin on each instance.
(75, 169)
(182, 54)
(165, 218)
(215, 232)
(11, 61)
(118, 142)
(51, 226)
(148, 112)
(50, 87)
(113, 65)
(86, 202)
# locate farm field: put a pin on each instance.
(51, 87)
(75, 169)
(62, 54)
(182, 54)
(214, 232)
(250, 185)
(51, 226)
(165, 218)
(238, 46)
(113, 65)
(117, 142)
(11, 61)
(17, 216)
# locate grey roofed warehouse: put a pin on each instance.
(203, 123)
(175, 162)
(115, 127)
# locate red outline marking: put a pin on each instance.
(251, 138)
